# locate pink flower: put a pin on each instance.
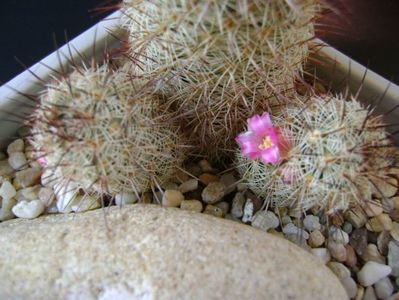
(261, 140)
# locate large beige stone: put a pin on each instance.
(150, 252)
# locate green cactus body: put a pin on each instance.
(221, 61)
(105, 131)
(337, 155)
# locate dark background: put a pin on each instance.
(366, 30)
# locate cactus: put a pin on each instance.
(224, 59)
(337, 156)
(105, 132)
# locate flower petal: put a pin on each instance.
(271, 155)
(260, 125)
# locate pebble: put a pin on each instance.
(395, 231)
(337, 219)
(372, 209)
(265, 220)
(358, 240)
(181, 176)
(294, 230)
(17, 160)
(382, 242)
(28, 209)
(311, 223)
(170, 186)
(337, 250)
(224, 206)
(394, 215)
(191, 205)
(356, 217)
(125, 198)
(395, 201)
(237, 209)
(384, 288)
(347, 227)
(286, 220)
(172, 198)
(29, 193)
(339, 269)
(351, 258)
(379, 223)
(372, 254)
(85, 203)
(65, 193)
(27, 177)
(193, 169)
(46, 195)
(316, 239)
(369, 294)
(214, 211)
(387, 186)
(229, 181)
(7, 190)
(393, 257)
(207, 178)
(388, 205)
(6, 209)
(146, 198)
(350, 286)
(188, 186)
(248, 211)
(5, 168)
(213, 192)
(242, 187)
(322, 253)
(338, 235)
(360, 292)
(298, 240)
(16, 146)
(205, 166)
(372, 272)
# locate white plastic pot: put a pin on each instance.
(333, 67)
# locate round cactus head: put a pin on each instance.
(106, 132)
(225, 59)
(331, 154)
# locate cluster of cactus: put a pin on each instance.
(105, 132)
(337, 156)
(220, 60)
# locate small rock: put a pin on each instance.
(356, 217)
(46, 195)
(170, 186)
(294, 230)
(286, 220)
(6, 209)
(360, 292)
(393, 257)
(29, 193)
(394, 214)
(242, 187)
(395, 231)
(382, 242)
(229, 181)
(257, 202)
(311, 223)
(372, 254)
(339, 269)
(27, 177)
(16, 146)
(237, 209)
(372, 209)
(358, 240)
(351, 258)
(17, 160)
(265, 220)
(337, 219)
(350, 286)
(191, 205)
(232, 218)
(369, 294)
(383, 288)
(207, 178)
(65, 192)
(24, 131)
(181, 176)
(395, 201)
(322, 253)
(214, 211)
(338, 235)
(5, 168)
(316, 239)
(188, 186)
(28, 209)
(172, 198)
(224, 206)
(372, 272)
(388, 205)
(193, 169)
(125, 198)
(337, 251)
(7, 190)
(298, 240)
(205, 166)
(347, 227)
(379, 223)
(49, 178)
(213, 193)
(387, 186)
(248, 211)
(85, 203)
